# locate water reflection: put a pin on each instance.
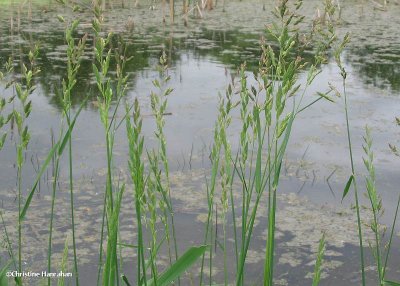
(378, 67)
(374, 61)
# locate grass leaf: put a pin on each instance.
(390, 283)
(3, 277)
(125, 280)
(57, 147)
(39, 175)
(181, 265)
(325, 95)
(347, 188)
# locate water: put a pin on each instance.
(203, 57)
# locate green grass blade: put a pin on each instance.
(127, 245)
(125, 280)
(180, 265)
(57, 147)
(390, 283)
(39, 175)
(389, 246)
(347, 187)
(318, 263)
(3, 277)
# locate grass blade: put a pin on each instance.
(390, 283)
(3, 277)
(42, 169)
(347, 187)
(59, 147)
(125, 280)
(181, 265)
(391, 237)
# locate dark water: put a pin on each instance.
(203, 57)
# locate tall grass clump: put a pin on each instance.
(19, 116)
(152, 193)
(151, 187)
(23, 87)
(23, 91)
(267, 114)
(113, 192)
(244, 178)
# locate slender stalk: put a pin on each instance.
(72, 209)
(53, 200)
(391, 238)
(360, 235)
(74, 54)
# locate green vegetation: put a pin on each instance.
(268, 106)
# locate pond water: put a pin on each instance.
(203, 55)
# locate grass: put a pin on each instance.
(268, 104)
(352, 180)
